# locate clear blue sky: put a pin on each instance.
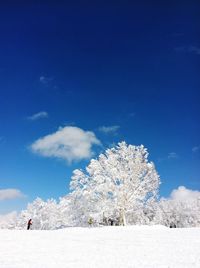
(134, 66)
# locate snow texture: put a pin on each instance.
(130, 246)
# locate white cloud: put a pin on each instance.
(109, 129)
(172, 155)
(184, 194)
(68, 143)
(6, 194)
(37, 116)
(196, 149)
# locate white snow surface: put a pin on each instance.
(113, 246)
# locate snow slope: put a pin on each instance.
(132, 246)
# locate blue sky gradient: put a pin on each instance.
(135, 66)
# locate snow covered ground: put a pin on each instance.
(133, 246)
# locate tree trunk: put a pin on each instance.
(122, 217)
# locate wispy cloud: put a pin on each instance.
(188, 49)
(177, 34)
(172, 155)
(132, 114)
(51, 84)
(45, 80)
(196, 149)
(68, 143)
(2, 139)
(6, 194)
(37, 116)
(109, 129)
(194, 49)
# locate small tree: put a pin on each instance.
(118, 183)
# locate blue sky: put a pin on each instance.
(121, 71)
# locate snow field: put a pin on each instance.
(119, 247)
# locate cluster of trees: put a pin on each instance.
(120, 187)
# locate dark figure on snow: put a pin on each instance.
(29, 224)
(111, 221)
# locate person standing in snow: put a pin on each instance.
(90, 221)
(29, 224)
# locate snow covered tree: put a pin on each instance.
(119, 184)
(44, 215)
(47, 215)
(8, 221)
(179, 213)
